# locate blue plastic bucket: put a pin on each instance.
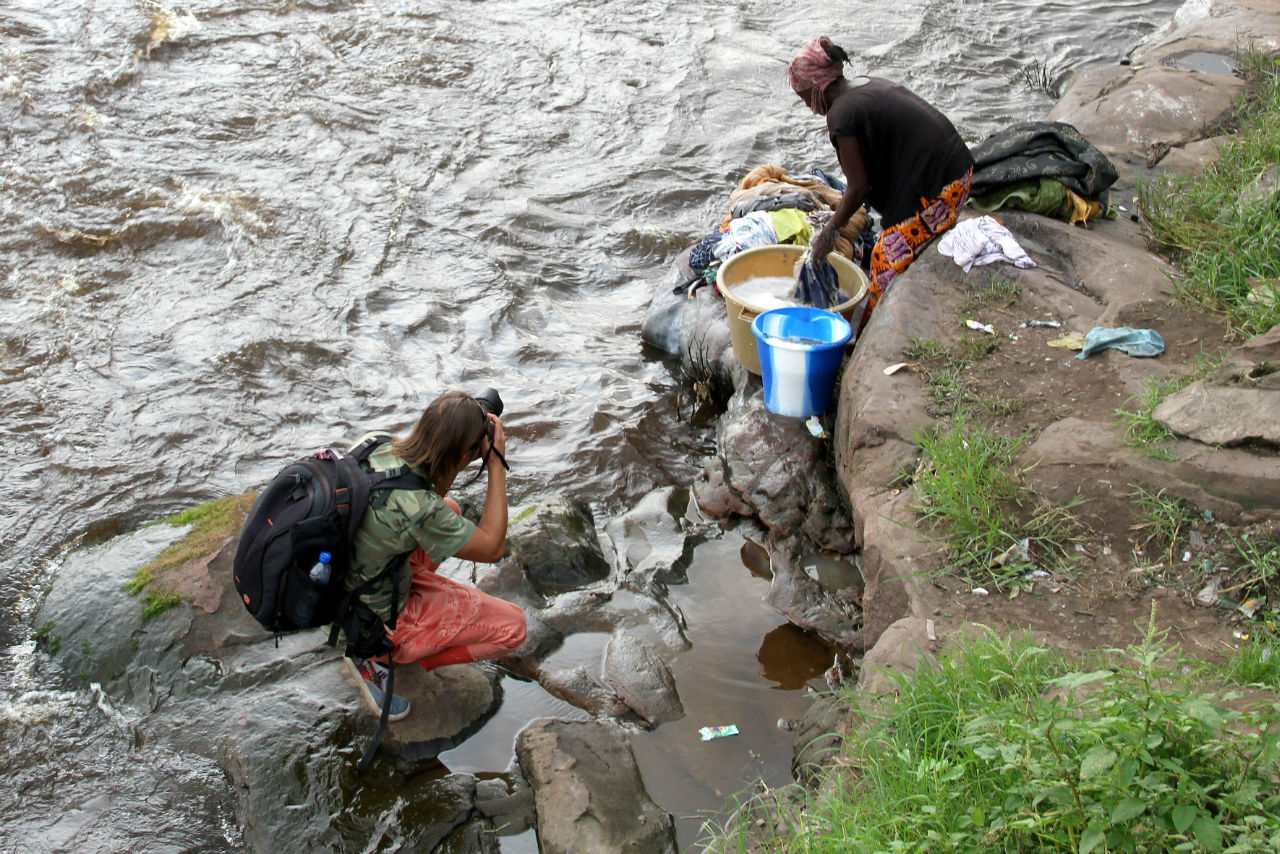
(801, 350)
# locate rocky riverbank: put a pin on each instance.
(1165, 109)
(284, 726)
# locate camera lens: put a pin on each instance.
(491, 401)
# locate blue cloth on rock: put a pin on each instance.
(1135, 342)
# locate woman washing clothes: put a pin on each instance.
(899, 155)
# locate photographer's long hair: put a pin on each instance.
(451, 429)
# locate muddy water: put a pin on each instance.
(745, 666)
(235, 230)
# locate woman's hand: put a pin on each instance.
(820, 247)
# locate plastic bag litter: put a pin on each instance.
(1135, 342)
(709, 732)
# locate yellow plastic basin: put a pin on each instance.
(777, 260)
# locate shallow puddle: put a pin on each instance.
(746, 666)
(1203, 61)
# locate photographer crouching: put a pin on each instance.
(401, 540)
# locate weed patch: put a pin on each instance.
(1166, 518)
(1001, 745)
(972, 492)
(1222, 227)
(212, 522)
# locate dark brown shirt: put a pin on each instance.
(911, 150)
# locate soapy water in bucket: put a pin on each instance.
(796, 340)
(763, 293)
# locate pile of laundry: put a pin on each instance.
(771, 206)
(1047, 168)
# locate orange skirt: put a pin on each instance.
(900, 244)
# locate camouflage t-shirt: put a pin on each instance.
(410, 519)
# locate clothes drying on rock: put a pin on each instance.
(1042, 150)
(1047, 196)
(702, 255)
(823, 191)
(982, 240)
(769, 179)
(791, 226)
(822, 177)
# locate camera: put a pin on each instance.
(490, 401)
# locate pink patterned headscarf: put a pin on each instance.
(813, 67)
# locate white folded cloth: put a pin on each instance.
(982, 240)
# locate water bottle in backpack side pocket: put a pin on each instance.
(304, 615)
(321, 571)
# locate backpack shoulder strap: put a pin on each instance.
(366, 447)
(355, 482)
(382, 482)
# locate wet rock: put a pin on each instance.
(557, 547)
(836, 616)
(834, 575)
(96, 631)
(716, 497)
(642, 679)
(580, 688)
(819, 736)
(280, 719)
(706, 347)
(664, 317)
(449, 705)
(776, 468)
(507, 803)
(650, 538)
(1128, 111)
(589, 795)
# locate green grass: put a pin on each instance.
(156, 602)
(46, 635)
(1260, 558)
(1258, 660)
(1165, 518)
(1000, 745)
(212, 522)
(997, 292)
(943, 368)
(1222, 228)
(972, 493)
(923, 349)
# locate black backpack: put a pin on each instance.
(315, 505)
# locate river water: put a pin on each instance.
(237, 230)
